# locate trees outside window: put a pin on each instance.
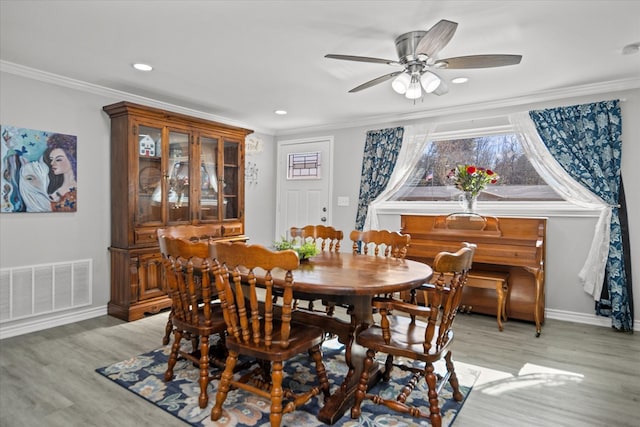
(502, 153)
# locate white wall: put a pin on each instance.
(29, 239)
(568, 237)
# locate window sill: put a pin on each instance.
(528, 209)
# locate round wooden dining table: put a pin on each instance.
(352, 279)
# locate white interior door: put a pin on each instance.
(304, 183)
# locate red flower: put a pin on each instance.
(472, 179)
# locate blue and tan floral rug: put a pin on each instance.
(143, 375)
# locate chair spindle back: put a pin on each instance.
(382, 242)
(236, 267)
(326, 237)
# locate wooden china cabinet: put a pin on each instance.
(167, 169)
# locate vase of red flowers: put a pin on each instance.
(471, 180)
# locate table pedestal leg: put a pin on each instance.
(342, 399)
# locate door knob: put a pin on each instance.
(323, 219)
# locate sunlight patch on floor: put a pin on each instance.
(495, 382)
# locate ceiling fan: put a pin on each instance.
(417, 53)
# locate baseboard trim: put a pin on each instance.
(589, 319)
(90, 313)
(51, 322)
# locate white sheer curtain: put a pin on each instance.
(592, 273)
(414, 140)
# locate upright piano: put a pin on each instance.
(507, 244)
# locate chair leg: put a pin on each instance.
(203, 400)
(362, 385)
(320, 371)
(275, 416)
(223, 387)
(173, 356)
(453, 378)
(168, 329)
(331, 309)
(434, 408)
(388, 367)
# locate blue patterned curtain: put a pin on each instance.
(586, 141)
(381, 150)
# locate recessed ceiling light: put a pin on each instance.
(459, 80)
(280, 112)
(142, 67)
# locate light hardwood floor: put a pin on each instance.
(573, 375)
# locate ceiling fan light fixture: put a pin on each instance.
(414, 91)
(401, 83)
(417, 54)
(430, 81)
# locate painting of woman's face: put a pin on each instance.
(36, 168)
(60, 164)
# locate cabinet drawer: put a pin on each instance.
(232, 229)
(145, 236)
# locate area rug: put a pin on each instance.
(143, 375)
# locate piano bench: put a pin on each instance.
(497, 280)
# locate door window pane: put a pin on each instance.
(303, 165)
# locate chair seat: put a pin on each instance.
(407, 339)
(299, 341)
(217, 322)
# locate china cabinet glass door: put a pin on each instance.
(177, 198)
(150, 175)
(209, 208)
(231, 180)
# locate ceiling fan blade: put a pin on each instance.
(376, 81)
(442, 89)
(436, 38)
(362, 59)
(480, 61)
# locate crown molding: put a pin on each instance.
(541, 96)
(56, 79)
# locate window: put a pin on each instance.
(303, 165)
(501, 153)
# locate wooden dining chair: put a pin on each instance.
(257, 328)
(196, 311)
(417, 334)
(380, 243)
(193, 233)
(326, 238)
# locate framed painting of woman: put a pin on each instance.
(38, 171)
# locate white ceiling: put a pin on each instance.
(241, 60)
